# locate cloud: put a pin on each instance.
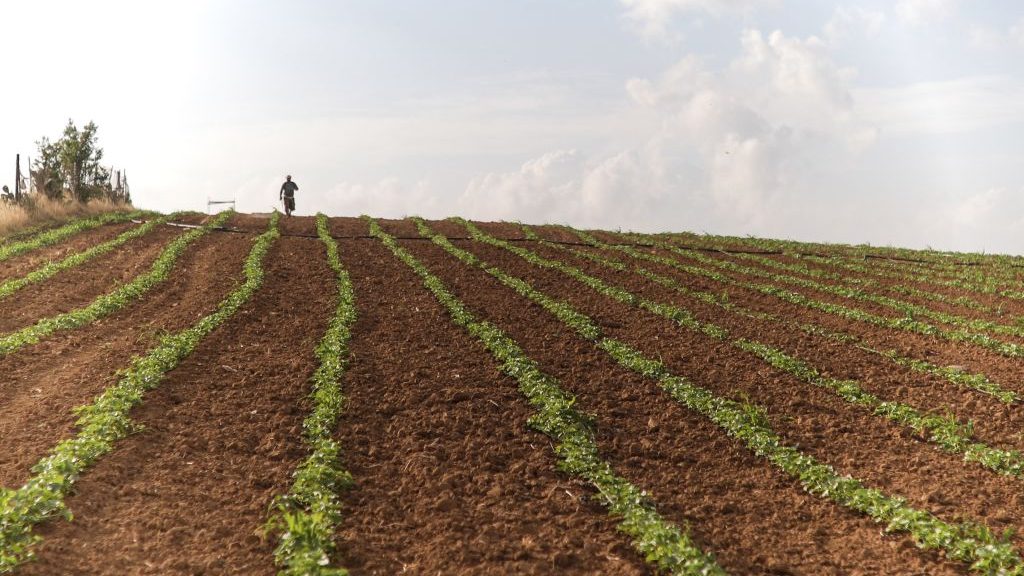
(387, 198)
(923, 12)
(991, 39)
(847, 22)
(734, 147)
(1017, 33)
(989, 220)
(654, 16)
(946, 107)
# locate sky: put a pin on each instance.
(891, 123)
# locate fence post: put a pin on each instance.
(17, 177)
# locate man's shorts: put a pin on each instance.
(289, 203)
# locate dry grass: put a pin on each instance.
(42, 211)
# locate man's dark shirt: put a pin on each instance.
(289, 188)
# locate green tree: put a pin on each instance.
(70, 167)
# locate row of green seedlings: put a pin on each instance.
(950, 435)
(979, 282)
(56, 235)
(955, 375)
(50, 269)
(989, 279)
(305, 518)
(902, 274)
(23, 233)
(110, 302)
(906, 324)
(908, 309)
(968, 541)
(106, 421)
(986, 274)
(661, 542)
(862, 251)
(868, 283)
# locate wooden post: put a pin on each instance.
(17, 177)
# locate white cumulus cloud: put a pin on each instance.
(735, 145)
(922, 12)
(848, 22)
(654, 16)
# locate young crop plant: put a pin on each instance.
(844, 264)
(969, 542)
(662, 543)
(111, 302)
(106, 421)
(906, 308)
(906, 324)
(50, 269)
(306, 517)
(947, 433)
(956, 376)
(56, 235)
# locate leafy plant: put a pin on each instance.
(106, 420)
(969, 542)
(306, 516)
(662, 543)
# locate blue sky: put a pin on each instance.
(884, 122)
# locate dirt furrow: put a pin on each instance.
(885, 455)
(448, 478)
(1005, 371)
(754, 518)
(20, 265)
(1007, 306)
(80, 285)
(995, 422)
(42, 383)
(189, 494)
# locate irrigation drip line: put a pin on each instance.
(584, 244)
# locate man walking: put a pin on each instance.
(288, 195)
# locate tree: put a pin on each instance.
(71, 166)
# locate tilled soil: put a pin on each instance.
(42, 383)
(449, 480)
(1004, 316)
(995, 422)
(883, 454)
(754, 523)
(18, 266)
(80, 285)
(1008, 308)
(190, 493)
(1004, 370)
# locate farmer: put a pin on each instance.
(288, 195)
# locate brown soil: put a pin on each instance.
(755, 523)
(994, 422)
(883, 454)
(1004, 314)
(222, 436)
(1003, 370)
(80, 285)
(1008, 307)
(18, 266)
(448, 478)
(43, 382)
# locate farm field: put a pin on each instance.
(255, 394)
